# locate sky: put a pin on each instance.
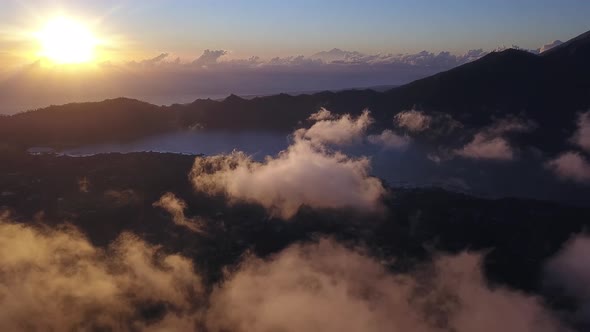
(279, 28)
(211, 48)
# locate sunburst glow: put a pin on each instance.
(67, 41)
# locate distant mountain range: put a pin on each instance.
(548, 89)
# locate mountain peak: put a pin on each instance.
(510, 55)
(572, 45)
(233, 98)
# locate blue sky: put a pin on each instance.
(270, 28)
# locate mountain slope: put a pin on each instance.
(550, 89)
(83, 123)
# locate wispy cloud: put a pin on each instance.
(486, 147)
(491, 142)
(389, 140)
(571, 166)
(568, 271)
(176, 206)
(582, 135)
(414, 121)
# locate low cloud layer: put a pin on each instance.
(413, 121)
(582, 135)
(388, 139)
(209, 57)
(549, 46)
(485, 147)
(328, 287)
(165, 78)
(56, 280)
(491, 142)
(574, 165)
(119, 198)
(432, 126)
(569, 272)
(571, 166)
(336, 129)
(307, 173)
(322, 114)
(176, 206)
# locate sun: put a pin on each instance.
(66, 41)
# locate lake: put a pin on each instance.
(526, 178)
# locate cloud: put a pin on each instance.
(304, 174)
(156, 63)
(56, 280)
(582, 135)
(490, 143)
(485, 147)
(155, 60)
(337, 129)
(83, 185)
(571, 166)
(325, 286)
(336, 54)
(569, 271)
(322, 114)
(570, 267)
(510, 125)
(159, 58)
(209, 57)
(549, 46)
(124, 197)
(389, 140)
(414, 121)
(435, 157)
(176, 206)
(432, 126)
(423, 58)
